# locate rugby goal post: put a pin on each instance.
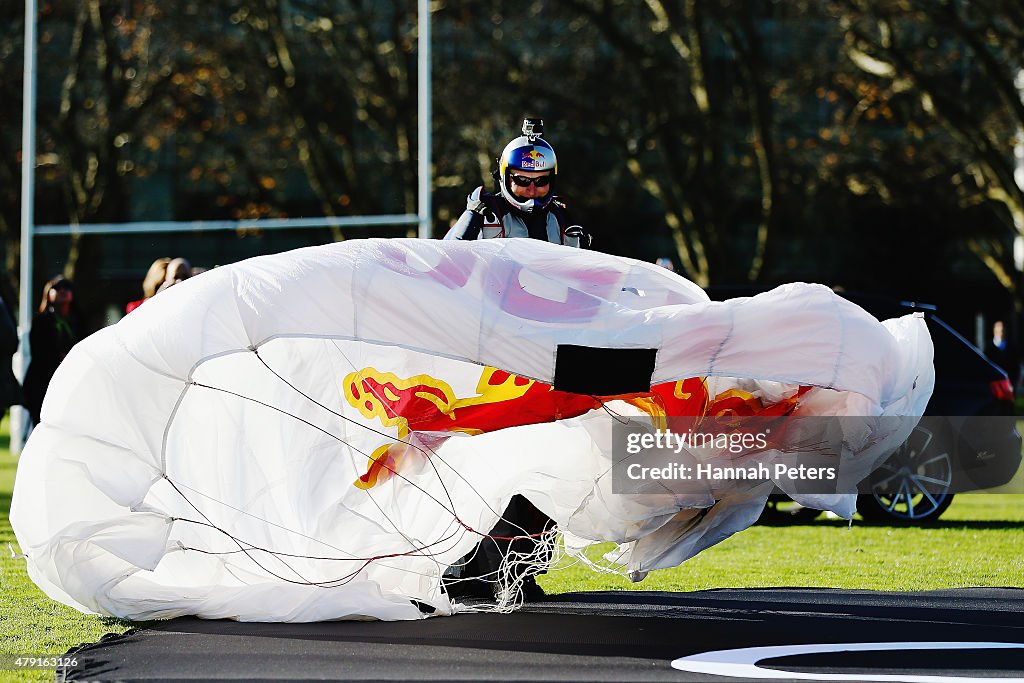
(29, 231)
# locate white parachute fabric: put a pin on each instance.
(213, 453)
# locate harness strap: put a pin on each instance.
(498, 208)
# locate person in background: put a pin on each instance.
(1000, 351)
(178, 270)
(10, 388)
(154, 278)
(54, 331)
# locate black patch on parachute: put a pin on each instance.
(603, 372)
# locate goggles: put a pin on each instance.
(523, 181)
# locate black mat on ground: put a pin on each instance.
(605, 636)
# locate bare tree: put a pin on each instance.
(945, 72)
(11, 67)
(688, 114)
(341, 76)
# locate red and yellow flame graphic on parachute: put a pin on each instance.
(422, 403)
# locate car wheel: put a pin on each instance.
(913, 485)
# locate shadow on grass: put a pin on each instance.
(977, 525)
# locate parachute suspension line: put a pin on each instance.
(614, 566)
(425, 452)
(245, 547)
(330, 410)
(517, 567)
(618, 417)
(418, 548)
(234, 539)
(430, 455)
(451, 503)
(328, 434)
(431, 459)
(549, 555)
(259, 519)
(174, 486)
(365, 561)
(507, 578)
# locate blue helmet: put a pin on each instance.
(528, 152)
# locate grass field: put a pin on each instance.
(978, 542)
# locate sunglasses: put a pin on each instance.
(523, 181)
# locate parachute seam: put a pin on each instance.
(378, 342)
(104, 442)
(189, 382)
(721, 344)
(142, 363)
(170, 421)
(841, 351)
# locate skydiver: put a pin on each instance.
(525, 205)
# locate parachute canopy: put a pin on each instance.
(320, 434)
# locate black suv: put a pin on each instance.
(966, 441)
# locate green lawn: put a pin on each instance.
(979, 542)
(31, 623)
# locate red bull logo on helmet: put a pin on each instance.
(533, 159)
